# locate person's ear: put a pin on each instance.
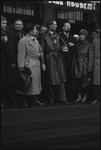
(63, 27)
(22, 26)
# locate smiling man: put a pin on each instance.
(15, 34)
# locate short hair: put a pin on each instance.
(3, 18)
(29, 27)
(50, 22)
(66, 22)
(18, 19)
(98, 30)
(43, 25)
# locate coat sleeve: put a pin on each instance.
(11, 45)
(43, 49)
(91, 58)
(41, 54)
(21, 53)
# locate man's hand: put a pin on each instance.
(21, 68)
(71, 44)
(65, 49)
(5, 39)
(13, 65)
(43, 67)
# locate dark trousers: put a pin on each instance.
(4, 94)
(12, 93)
(61, 92)
(97, 92)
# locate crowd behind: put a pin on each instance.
(59, 64)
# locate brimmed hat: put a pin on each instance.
(84, 32)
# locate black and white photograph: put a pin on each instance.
(50, 74)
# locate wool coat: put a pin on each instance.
(53, 59)
(83, 59)
(28, 56)
(96, 78)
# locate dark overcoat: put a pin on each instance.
(55, 70)
(83, 59)
(3, 58)
(68, 56)
(12, 52)
(96, 74)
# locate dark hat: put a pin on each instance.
(84, 32)
(3, 18)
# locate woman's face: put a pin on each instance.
(35, 32)
(82, 37)
(3, 24)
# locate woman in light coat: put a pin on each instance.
(29, 55)
(96, 77)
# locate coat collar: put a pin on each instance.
(32, 43)
(50, 40)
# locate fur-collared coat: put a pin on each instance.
(28, 55)
(55, 70)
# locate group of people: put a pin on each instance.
(58, 63)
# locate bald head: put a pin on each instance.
(66, 27)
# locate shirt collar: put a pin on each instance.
(67, 34)
(50, 32)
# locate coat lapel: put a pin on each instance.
(50, 41)
(33, 44)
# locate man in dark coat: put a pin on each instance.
(55, 71)
(68, 40)
(4, 39)
(96, 69)
(15, 34)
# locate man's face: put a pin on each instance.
(98, 34)
(18, 25)
(93, 34)
(66, 27)
(53, 26)
(3, 24)
(43, 29)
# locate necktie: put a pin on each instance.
(54, 38)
